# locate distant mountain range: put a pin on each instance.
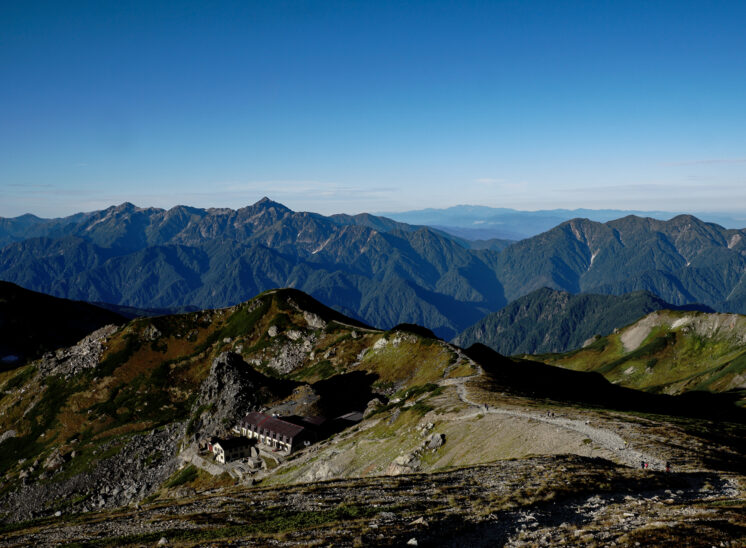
(482, 223)
(682, 261)
(548, 320)
(372, 268)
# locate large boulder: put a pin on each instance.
(435, 441)
(404, 464)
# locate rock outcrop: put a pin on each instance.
(230, 391)
(293, 354)
(410, 462)
(76, 359)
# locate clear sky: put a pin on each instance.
(368, 106)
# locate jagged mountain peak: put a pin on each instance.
(266, 203)
(125, 206)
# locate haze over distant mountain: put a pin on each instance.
(373, 268)
(482, 222)
(549, 320)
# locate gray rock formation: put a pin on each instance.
(404, 464)
(7, 435)
(293, 354)
(435, 441)
(54, 461)
(410, 462)
(75, 359)
(313, 320)
(373, 405)
(229, 392)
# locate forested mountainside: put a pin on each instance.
(683, 260)
(368, 267)
(549, 320)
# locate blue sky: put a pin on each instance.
(369, 106)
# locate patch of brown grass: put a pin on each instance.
(124, 429)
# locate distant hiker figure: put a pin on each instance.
(668, 467)
(642, 465)
(647, 464)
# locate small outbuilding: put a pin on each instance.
(226, 450)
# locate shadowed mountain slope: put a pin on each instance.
(549, 320)
(683, 260)
(372, 268)
(33, 323)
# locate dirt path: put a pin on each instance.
(606, 438)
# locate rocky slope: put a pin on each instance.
(537, 501)
(113, 423)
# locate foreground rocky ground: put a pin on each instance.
(456, 447)
(563, 500)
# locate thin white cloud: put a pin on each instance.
(708, 161)
(675, 188)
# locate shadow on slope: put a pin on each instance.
(539, 380)
(345, 392)
(712, 417)
(32, 323)
(309, 304)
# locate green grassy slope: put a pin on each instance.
(669, 352)
(152, 368)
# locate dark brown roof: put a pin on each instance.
(273, 424)
(232, 443)
(314, 421)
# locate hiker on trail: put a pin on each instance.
(647, 464)
(642, 465)
(668, 467)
